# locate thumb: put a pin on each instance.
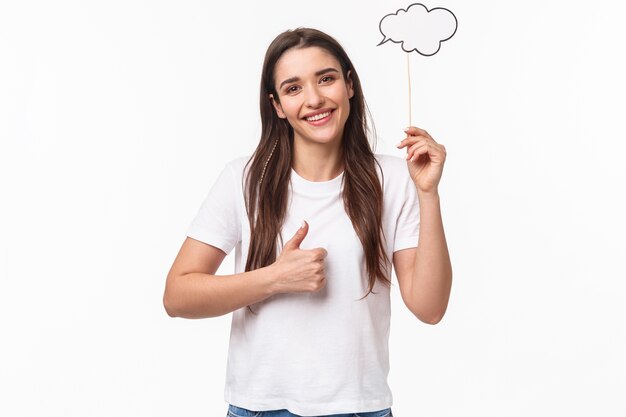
(296, 240)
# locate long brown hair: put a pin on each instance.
(266, 184)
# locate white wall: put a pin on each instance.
(115, 118)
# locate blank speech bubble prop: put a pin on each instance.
(418, 29)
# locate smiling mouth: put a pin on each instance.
(321, 117)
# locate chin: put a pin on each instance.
(322, 139)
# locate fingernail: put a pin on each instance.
(398, 144)
(303, 225)
(406, 129)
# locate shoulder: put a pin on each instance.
(395, 177)
(238, 162)
(237, 165)
(391, 165)
(389, 160)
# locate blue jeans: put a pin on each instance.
(234, 411)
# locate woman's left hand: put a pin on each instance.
(425, 159)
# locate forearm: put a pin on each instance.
(432, 279)
(198, 295)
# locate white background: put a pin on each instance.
(117, 116)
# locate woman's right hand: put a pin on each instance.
(299, 270)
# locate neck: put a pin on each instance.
(318, 162)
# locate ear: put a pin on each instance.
(278, 107)
(349, 84)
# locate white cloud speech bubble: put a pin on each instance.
(419, 29)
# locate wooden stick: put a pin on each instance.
(408, 66)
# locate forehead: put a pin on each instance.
(303, 62)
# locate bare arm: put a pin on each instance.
(425, 273)
(193, 291)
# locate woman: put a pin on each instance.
(313, 338)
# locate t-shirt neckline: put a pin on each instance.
(316, 187)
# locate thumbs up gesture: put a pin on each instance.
(300, 270)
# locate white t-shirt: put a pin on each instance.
(313, 353)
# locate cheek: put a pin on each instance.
(342, 96)
(291, 109)
(345, 100)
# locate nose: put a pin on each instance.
(314, 98)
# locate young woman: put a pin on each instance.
(316, 219)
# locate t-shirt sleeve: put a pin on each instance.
(408, 225)
(217, 221)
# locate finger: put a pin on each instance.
(298, 237)
(321, 253)
(411, 146)
(416, 145)
(436, 153)
(415, 131)
(316, 254)
(417, 150)
(409, 140)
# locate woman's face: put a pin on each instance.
(313, 95)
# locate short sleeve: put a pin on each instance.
(217, 222)
(408, 223)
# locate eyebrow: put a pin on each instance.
(318, 73)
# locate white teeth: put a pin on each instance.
(318, 116)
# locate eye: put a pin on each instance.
(292, 89)
(327, 78)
